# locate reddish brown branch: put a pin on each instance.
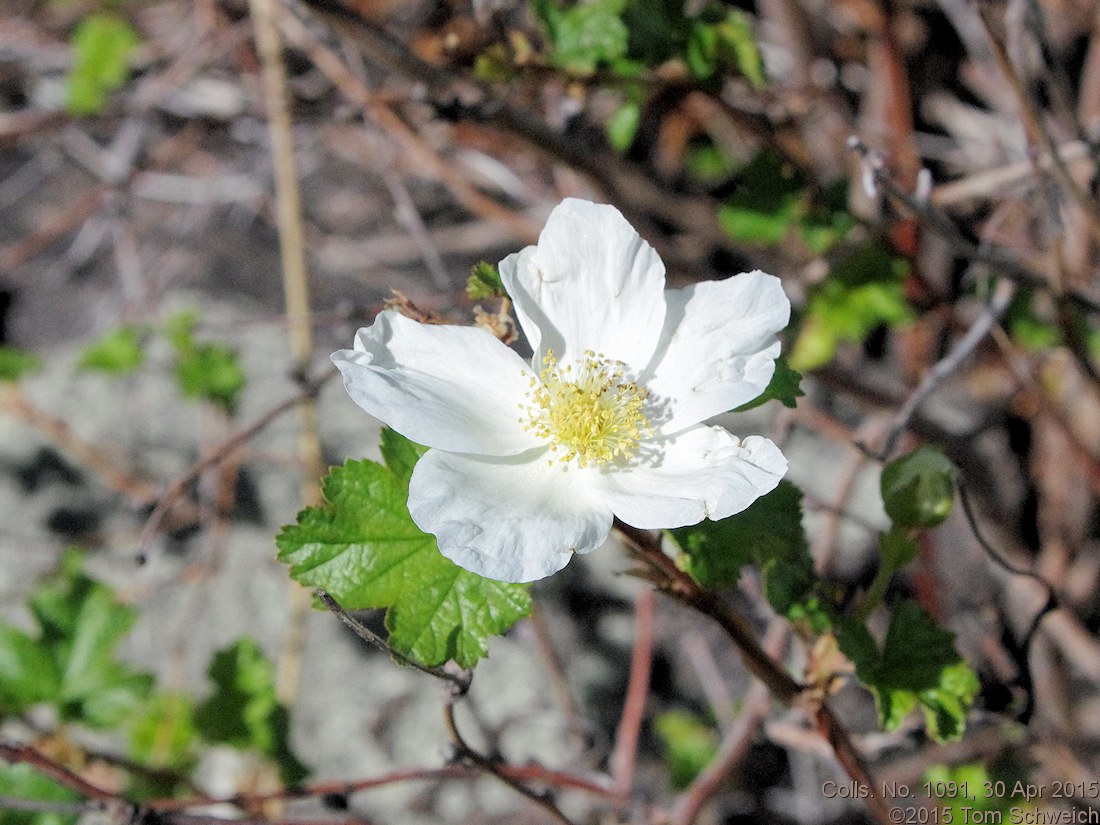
(673, 581)
(641, 663)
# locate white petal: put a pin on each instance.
(718, 347)
(591, 283)
(703, 472)
(514, 519)
(456, 388)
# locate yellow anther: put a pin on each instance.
(593, 416)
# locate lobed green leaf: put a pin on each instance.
(769, 534)
(244, 711)
(362, 547)
(917, 665)
(484, 282)
(783, 387)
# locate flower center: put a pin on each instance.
(589, 413)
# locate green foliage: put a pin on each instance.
(728, 43)
(363, 548)
(583, 35)
(205, 370)
(164, 735)
(16, 363)
(707, 164)
(622, 126)
(1026, 325)
(658, 30)
(484, 282)
(21, 781)
(767, 202)
(865, 289)
(769, 534)
(117, 352)
(784, 388)
(918, 489)
(827, 222)
(102, 44)
(70, 662)
(917, 665)
(244, 711)
(689, 745)
(400, 454)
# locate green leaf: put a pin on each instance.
(164, 735)
(102, 43)
(180, 328)
(588, 34)
(213, 373)
(28, 673)
(783, 387)
(689, 745)
(707, 164)
(864, 290)
(622, 126)
(95, 689)
(701, 54)
(15, 363)
(363, 548)
(946, 705)
(204, 370)
(118, 352)
(766, 203)
(769, 534)
(244, 711)
(21, 781)
(80, 627)
(735, 43)
(918, 489)
(400, 454)
(917, 664)
(484, 282)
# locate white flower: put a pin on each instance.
(529, 463)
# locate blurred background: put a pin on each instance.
(200, 200)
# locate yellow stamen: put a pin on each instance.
(591, 414)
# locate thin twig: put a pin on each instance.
(942, 369)
(94, 457)
(625, 754)
(288, 206)
(673, 581)
(734, 747)
(555, 671)
(1005, 265)
(1037, 131)
(13, 752)
(237, 440)
(460, 683)
(466, 753)
(736, 740)
(1051, 604)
